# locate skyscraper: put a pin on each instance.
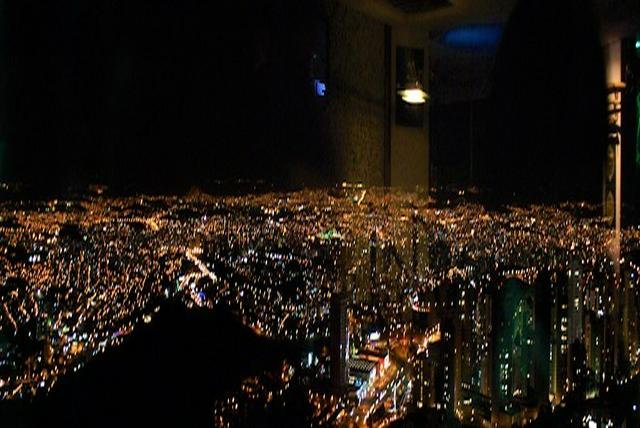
(514, 353)
(425, 385)
(594, 344)
(559, 336)
(339, 329)
(542, 348)
(575, 301)
(630, 317)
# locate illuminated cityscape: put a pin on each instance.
(320, 213)
(483, 316)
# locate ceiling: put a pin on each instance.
(435, 14)
(618, 18)
(417, 6)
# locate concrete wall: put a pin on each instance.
(356, 107)
(356, 95)
(409, 146)
(613, 62)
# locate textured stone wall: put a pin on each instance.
(355, 109)
(409, 145)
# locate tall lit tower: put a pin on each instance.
(575, 300)
(630, 316)
(373, 273)
(339, 330)
(373, 257)
(513, 341)
(414, 252)
(559, 335)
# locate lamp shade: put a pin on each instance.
(413, 95)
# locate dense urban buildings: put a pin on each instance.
(346, 213)
(480, 316)
(339, 341)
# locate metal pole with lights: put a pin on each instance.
(615, 109)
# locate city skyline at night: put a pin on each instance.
(320, 213)
(488, 296)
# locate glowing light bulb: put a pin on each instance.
(413, 96)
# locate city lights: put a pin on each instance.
(81, 276)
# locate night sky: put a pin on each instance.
(162, 95)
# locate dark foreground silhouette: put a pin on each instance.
(167, 373)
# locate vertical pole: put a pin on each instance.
(618, 188)
(618, 209)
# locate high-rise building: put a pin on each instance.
(559, 337)
(630, 316)
(594, 343)
(576, 369)
(414, 253)
(542, 348)
(424, 390)
(450, 362)
(612, 334)
(339, 329)
(513, 340)
(482, 335)
(373, 258)
(577, 381)
(442, 355)
(575, 300)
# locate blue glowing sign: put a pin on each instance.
(473, 37)
(321, 87)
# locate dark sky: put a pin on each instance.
(156, 94)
